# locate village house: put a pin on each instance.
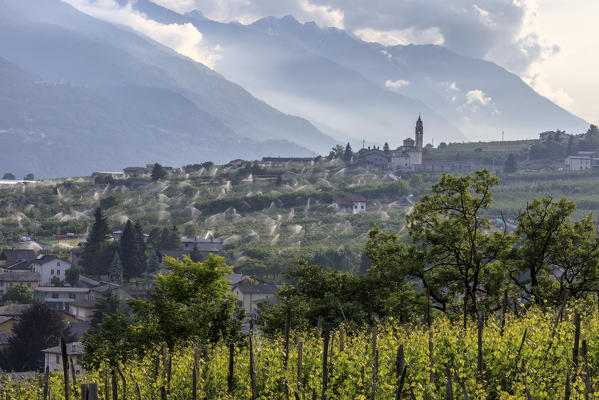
(6, 323)
(60, 297)
(554, 135)
(9, 279)
(12, 255)
(82, 310)
(578, 163)
(276, 162)
(20, 265)
(49, 267)
(205, 246)
(53, 357)
(249, 296)
(112, 174)
(373, 158)
(350, 204)
(136, 171)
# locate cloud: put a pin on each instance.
(477, 96)
(395, 85)
(502, 31)
(183, 38)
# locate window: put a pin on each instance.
(57, 359)
(71, 295)
(54, 295)
(51, 272)
(57, 272)
(58, 264)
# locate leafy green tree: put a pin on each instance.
(442, 145)
(97, 252)
(575, 258)
(9, 176)
(451, 236)
(19, 294)
(115, 273)
(109, 305)
(72, 275)
(386, 148)
(192, 301)
(313, 294)
(110, 342)
(336, 152)
(539, 227)
(29, 177)
(55, 281)
(164, 238)
(158, 172)
(510, 165)
(39, 327)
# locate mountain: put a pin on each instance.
(82, 94)
(368, 91)
(338, 100)
(479, 97)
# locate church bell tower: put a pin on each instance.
(419, 134)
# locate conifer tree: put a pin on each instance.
(347, 156)
(154, 263)
(95, 258)
(386, 148)
(128, 251)
(158, 172)
(115, 273)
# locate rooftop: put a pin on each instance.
(258, 289)
(17, 254)
(47, 258)
(72, 348)
(61, 289)
(19, 276)
(13, 310)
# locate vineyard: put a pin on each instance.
(537, 354)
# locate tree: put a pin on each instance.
(132, 251)
(39, 327)
(452, 241)
(164, 238)
(192, 301)
(153, 262)
(386, 148)
(97, 252)
(575, 258)
(158, 172)
(115, 273)
(539, 227)
(19, 294)
(108, 305)
(9, 176)
(348, 153)
(336, 152)
(72, 275)
(442, 146)
(29, 177)
(510, 165)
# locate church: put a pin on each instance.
(409, 155)
(406, 157)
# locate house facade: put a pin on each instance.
(11, 255)
(274, 162)
(53, 357)
(49, 267)
(249, 296)
(202, 245)
(9, 279)
(350, 204)
(373, 158)
(60, 298)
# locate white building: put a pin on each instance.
(409, 155)
(350, 204)
(250, 295)
(53, 357)
(202, 245)
(49, 267)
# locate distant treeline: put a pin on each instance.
(382, 191)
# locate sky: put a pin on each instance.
(548, 43)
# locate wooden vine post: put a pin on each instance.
(325, 358)
(194, 384)
(65, 367)
(231, 374)
(252, 368)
